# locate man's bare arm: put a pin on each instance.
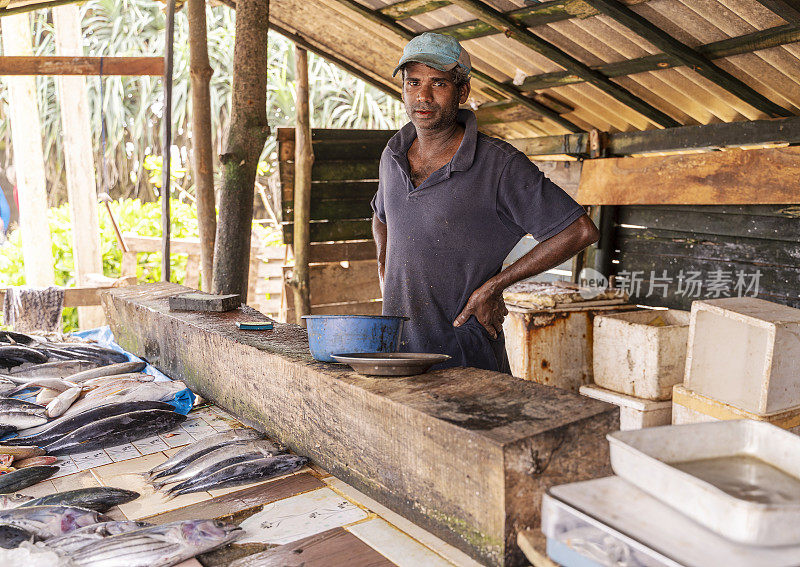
(379, 234)
(486, 302)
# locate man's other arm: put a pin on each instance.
(486, 302)
(379, 234)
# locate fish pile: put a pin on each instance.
(89, 397)
(72, 525)
(231, 458)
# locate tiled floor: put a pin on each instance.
(309, 513)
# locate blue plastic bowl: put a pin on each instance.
(336, 334)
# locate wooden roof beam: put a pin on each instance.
(507, 90)
(687, 56)
(705, 137)
(786, 9)
(762, 39)
(68, 65)
(522, 35)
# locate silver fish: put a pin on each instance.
(109, 370)
(57, 369)
(207, 444)
(157, 546)
(63, 401)
(9, 501)
(22, 418)
(225, 455)
(142, 392)
(80, 538)
(10, 404)
(50, 521)
(241, 473)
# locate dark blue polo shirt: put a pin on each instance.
(450, 235)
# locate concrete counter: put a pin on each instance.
(464, 453)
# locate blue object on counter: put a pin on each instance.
(337, 334)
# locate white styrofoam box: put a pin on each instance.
(691, 407)
(641, 353)
(744, 352)
(634, 413)
(752, 499)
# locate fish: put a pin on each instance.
(138, 376)
(23, 478)
(22, 418)
(13, 337)
(66, 424)
(80, 538)
(56, 369)
(10, 404)
(8, 501)
(115, 430)
(21, 451)
(63, 401)
(12, 537)
(145, 391)
(241, 473)
(56, 384)
(50, 521)
(157, 546)
(45, 395)
(100, 498)
(14, 355)
(205, 445)
(34, 461)
(220, 458)
(84, 350)
(109, 370)
(6, 460)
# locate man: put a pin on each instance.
(450, 206)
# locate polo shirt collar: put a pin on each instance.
(464, 156)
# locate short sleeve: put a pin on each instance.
(529, 203)
(377, 203)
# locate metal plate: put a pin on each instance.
(391, 363)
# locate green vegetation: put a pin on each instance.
(132, 106)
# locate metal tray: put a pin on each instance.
(722, 474)
(390, 363)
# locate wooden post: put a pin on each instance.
(303, 160)
(79, 161)
(26, 138)
(246, 137)
(166, 151)
(202, 160)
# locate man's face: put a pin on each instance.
(431, 97)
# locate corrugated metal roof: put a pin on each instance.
(680, 92)
(337, 28)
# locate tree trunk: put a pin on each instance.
(79, 161)
(202, 158)
(246, 137)
(26, 139)
(303, 160)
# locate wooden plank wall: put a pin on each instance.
(716, 241)
(344, 179)
(344, 274)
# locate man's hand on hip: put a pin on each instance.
(489, 309)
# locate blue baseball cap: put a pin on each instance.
(442, 52)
